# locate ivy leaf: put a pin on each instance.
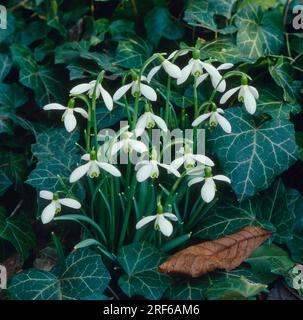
(252, 156)
(12, 95)
(122, 29)
(85, 275)
(43, 81)
(140, 261)
(201, 13)
(5, 65)
(57, 154)
(188, 289)
(158, 23)
(106, 118)
(5, 182)
(268, 210)
(258, 35)
(224, 51)
(281, 73)
(271, 103)
(132, 53)
(18, 231)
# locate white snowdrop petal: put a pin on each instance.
(79, 172)
(141, 125)
(170, 169)
(170, 216)
(224, 123)
(48, 213)
(80, 88)
(148, 92)
(121, 91)
(140, 164)
(108, 101)
(165, 226)
(82, 112)
(138, 146)
(109, 168)
(54, 106)
(160, 122)
(220, 177)
(215, 77)
(86, 157)
(177, 163)
(116, 147)
(70, 121)
(71, 203)
(144, 172)
(185, 74)
(200, 119)
(228, 94)
(208, 190)
(254, 92)
(152, 73)
(201, 78)
(249, 101)
(47, 195)
(171, 69)
(225, 66)
(195, 180)
(145, 221)
(203, 159)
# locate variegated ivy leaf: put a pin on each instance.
(269, 211)
(140, 261)
(201, 13)
(57, 154)
(272, 103)
(253, 155)
(5, 65)
(258, 32)
(281, 72)
(84, 275)
(5, 182)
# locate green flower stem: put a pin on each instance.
(113, 211)
(128, 211)
(136, 110)
(173, 190)
(196, 101)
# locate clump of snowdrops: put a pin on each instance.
(147, 200)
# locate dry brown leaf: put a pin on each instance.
(224, 253)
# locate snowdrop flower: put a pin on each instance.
(195, 67)
(92, 168)
(162, 222)
(170, 68)
(54, 207)
(247, 94)
(89, 87)
(148, 120)
(215, 117)
(137, 88)
(208, 190)
(127, 143)
(68, 116)
(150, 168)
(203, 77)
(189, 159)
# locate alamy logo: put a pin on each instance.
(3, 17)
(297, 22)
(3, 277)
(297, 271)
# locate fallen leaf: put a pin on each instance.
(224, 253)
(13, 264)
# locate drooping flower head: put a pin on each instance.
(54, 207)
(92, 168)
(215, 117)
(137, 88)
(89, 88)
(70, 121)
(190, 160)
(196, 68)
(247, 94)
(209, 189)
